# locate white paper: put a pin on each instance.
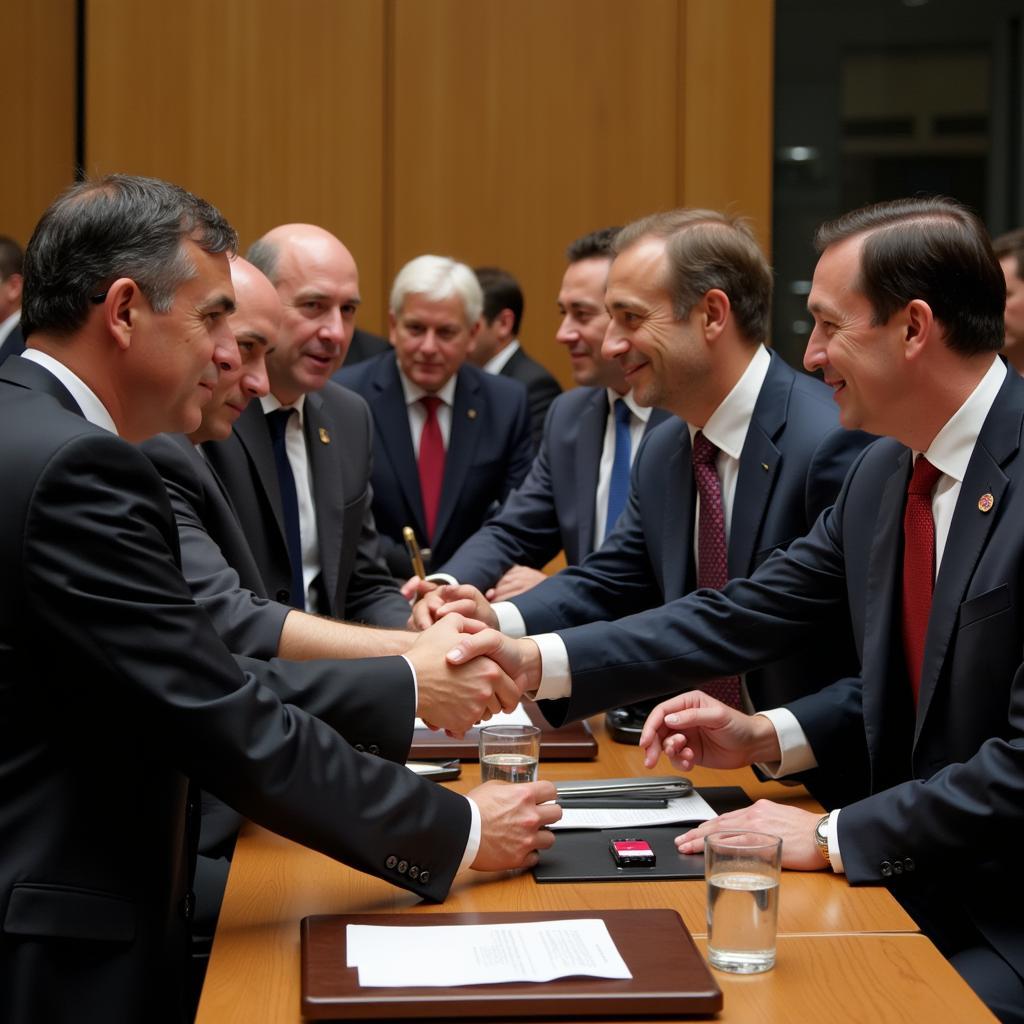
(681, 808)
(516, 717)
(482, 954)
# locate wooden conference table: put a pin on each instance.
(844, 953)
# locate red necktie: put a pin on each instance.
(431, 463)
(712, 554)
(918, 567)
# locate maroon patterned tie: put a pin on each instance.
(431, 463)
(918, 567)
(712, 553)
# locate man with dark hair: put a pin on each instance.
(756, 454)
(11, 340)
(497, 348)
(1009, 250)
(109, 672)
(568, 501)
(922, 556)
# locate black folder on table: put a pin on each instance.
(583, 855)
(670, 978)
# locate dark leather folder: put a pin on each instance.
(583, 855)
(573, 742)
(670, 978)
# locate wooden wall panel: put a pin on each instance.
(725, 144)
(274, 112)
(37, 82)
(516, 127)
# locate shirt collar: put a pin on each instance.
(6, 326)
(413, 392)
(727, 426)
(92, 408)
(642, 413)
(271, 402)
(497, 362)
(953, 445)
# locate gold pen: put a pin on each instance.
(414, 552)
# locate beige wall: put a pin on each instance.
(490, 130)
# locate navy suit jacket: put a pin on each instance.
(354, 581)
(488, 454)
(541, 389)
(552, 510)
(114, 690)
(944, 809)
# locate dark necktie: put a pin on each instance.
(918, 567)
(618, 485)
(277, 423)
(431, 463)
(712, 553)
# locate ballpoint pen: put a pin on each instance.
(414, 552)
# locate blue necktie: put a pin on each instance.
(277, 422)
(618, 486)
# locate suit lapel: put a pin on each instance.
(998, 441)
(328, 495)
(251, 431)
(391, 421)
(592, 424)
(759, 467)
(677, 532)
(29, 374)
(467, 422)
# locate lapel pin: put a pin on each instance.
(325, 438)
(764, 466)
(471, 413)
(985, 503)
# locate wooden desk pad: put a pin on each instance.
(670, 978)
(573, 742)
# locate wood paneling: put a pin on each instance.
(274, 112)
(37, 82)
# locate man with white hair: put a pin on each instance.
(450, 441)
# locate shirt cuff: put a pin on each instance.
(510, 619)
(797, 755)
(473, 843)
(415, 685)
(555, 677)
(442, 578)
(834, 856)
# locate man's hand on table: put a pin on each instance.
(514, 820)
(518, 580)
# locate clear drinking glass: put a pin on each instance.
(742, 871)
(509, 752)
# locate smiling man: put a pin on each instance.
(297, 463)
(451, 441)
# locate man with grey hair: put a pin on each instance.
(451, 441)
(297, 464)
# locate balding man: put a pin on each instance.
(297, 464)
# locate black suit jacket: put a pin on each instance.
(14, 344)
(354, 580)
(552, 510)
(488, 454)
(113, 689)
(365, 345)
(940, 820)
(541, 389)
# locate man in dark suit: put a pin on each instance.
(923, 556)
(126, 301)
(11, 341)
(364, 345)
(563, 504)
(297, 465)
(450, 441)
(497, 348)
(1009, 249)
(779, 455)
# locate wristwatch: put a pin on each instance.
(821, 838)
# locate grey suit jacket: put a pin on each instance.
(355, 583)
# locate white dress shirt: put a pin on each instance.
(418, 413)
(8, 324)
(498, 361)
(92, 408)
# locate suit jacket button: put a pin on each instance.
(886, 868)
(373, 748)
(360, 748)
(282, 596)
(908, 864)
(424, 877)
(897, 867)
(188, 905)
(414, 872)
(391, 861)
(403, 866)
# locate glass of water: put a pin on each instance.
(509, 753)
(742, 871)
